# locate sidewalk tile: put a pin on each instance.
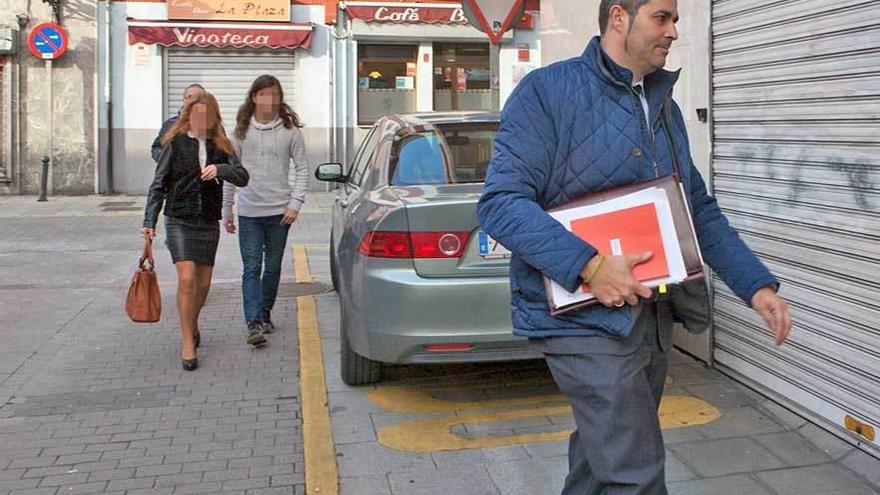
(827, 479)
(728, 456)
(730, 485)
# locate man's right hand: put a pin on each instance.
(148, 233)
(229, 223)
(613, 284)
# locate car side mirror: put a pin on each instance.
(330, 172)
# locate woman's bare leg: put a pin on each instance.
(203, 286)
(187, 299)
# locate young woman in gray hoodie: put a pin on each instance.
(268, 140)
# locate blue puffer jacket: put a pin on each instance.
(573, 128)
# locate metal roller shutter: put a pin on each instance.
(227, 74)
(5, 120)
(796, 167)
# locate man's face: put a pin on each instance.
(191, 94)
(651, 35)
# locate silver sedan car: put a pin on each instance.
(418, 281)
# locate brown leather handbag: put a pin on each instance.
(144, 303)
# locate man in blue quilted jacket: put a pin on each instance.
(585, 125)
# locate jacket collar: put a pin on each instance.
(658, 85)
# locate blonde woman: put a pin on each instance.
(196, 159)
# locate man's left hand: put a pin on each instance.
(289, 216)
(774, 310)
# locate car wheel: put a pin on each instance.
(333, 275)
(356, 369)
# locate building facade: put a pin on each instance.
(25, 124)
(157, 49)
(342, 65)
(782, 106)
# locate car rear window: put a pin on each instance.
(449, 154)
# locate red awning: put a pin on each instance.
(416, 13)
(204, 34)
(406, 13)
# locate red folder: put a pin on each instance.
(623, 232)
(684, 229)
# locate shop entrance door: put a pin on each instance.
(461, 77)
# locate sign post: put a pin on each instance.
(48, 41)
(494, 17)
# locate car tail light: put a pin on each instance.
(383, 244)
(448, 347)
(386, 245)
(438, 244)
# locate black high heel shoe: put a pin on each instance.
(190, 364)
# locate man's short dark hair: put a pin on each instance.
(630, 6)
(194, 85)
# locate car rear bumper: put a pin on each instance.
(395, 314)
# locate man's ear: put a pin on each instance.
(618, 19)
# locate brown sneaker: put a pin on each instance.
(255, 335)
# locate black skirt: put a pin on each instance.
(192, 239)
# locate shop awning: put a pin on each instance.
(406, 13)
(414, 13)
(220, 35)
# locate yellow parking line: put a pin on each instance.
(422, 400)
(433, 435)
(322, 475)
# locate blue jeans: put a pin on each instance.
(262, 241)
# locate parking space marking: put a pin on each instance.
(422, 400)
(436, 434)
(322, 475)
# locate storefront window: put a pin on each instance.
(386, 81)
(461, 77)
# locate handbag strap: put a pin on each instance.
(667, 127)
(147, 255)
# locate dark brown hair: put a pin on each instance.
(216, 133)
(247, 109)
(630, 6)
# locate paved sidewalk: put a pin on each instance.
(92, 403)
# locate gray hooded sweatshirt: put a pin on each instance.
(266, 153)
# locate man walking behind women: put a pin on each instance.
(267, 138)
(196, 158)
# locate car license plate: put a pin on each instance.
(492, 249)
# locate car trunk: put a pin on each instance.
(449, 208)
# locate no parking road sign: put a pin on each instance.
(47, 41)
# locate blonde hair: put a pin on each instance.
(216, 133)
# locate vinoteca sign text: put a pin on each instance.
(244, 35)
(187, 36)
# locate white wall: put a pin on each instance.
(136, 80)
(511, 70)
(425, 77)
(314, 90)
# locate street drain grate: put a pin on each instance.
(119, 206)
(122, 208)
